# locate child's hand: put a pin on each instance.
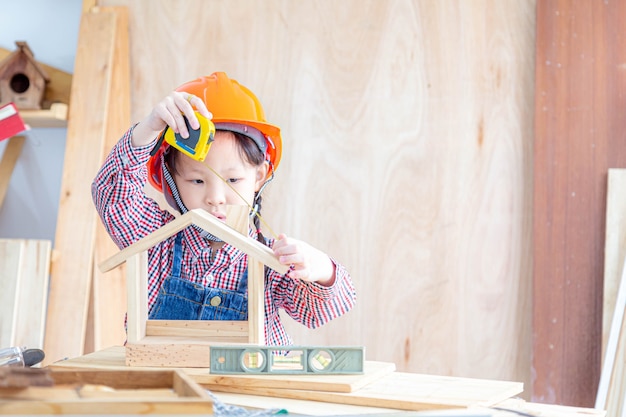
(307, 263)
(169, 112)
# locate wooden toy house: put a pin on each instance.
(186, 343)
(22, 80)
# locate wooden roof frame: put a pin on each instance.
(23, 48)
(185, 343)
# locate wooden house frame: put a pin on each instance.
(186, 343)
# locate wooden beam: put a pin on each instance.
(207, 222)
(109, 300)
(137, 290)
(32, 299)
(9, 159)
(92, 97)
(256, 304)
(24, 270)
(197, 328)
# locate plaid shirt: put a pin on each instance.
(129, 215)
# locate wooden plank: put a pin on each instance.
(10, 274)
(147, 242)
(209, 223)
(113, 358)
(91, 96)
(197, 328)
(256, 301)
(9, 159)
(611, 387)
(176, 351)
(111, 392)
(137, 289)
(24, 269)
(32, 298)
(300, 407)
(614, 247)
(55, 116)
(110, 297)
(401, 391)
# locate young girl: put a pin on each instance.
(194, 275)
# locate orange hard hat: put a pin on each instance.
(234, 108)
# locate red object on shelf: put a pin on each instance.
(10, 122)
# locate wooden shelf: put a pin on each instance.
(55, 116)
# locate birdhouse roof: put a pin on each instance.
(211, 224)
(22, 50)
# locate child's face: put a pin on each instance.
(199, 187)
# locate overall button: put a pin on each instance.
(215, 301)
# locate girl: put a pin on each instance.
(194, 275)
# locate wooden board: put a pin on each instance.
(206, 221)
(300, 407)
(401, 391)
(91, 97)
(114, 358)
(612, 383)
(24, 269)
(109, 291)
(32, 300)
(110, 392)
(10, 254)
(9, 159)
(614, 247)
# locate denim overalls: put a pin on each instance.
(181, 299)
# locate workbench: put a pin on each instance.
(379, 391)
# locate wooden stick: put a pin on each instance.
(209, 223)
(137, 289)
(612, 345)
(9, 159)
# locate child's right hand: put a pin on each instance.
(169, 112)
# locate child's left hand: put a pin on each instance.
(307, 263)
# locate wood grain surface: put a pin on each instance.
(408, 137)
(24, 274)
(402, 391)
(579, 136)
(113, 358)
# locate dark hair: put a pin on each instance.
(250, 152)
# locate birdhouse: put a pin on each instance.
(183, 343)
(22, 80)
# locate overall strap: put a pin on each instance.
(243, 282)
(178, 255)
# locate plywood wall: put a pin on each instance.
(408, 132)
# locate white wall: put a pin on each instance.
(51, 30)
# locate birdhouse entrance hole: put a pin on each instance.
(19, 83)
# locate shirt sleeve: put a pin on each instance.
(127, 213)
(313, 304)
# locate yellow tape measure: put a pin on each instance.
(198, 143)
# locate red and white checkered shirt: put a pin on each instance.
(128, 215)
